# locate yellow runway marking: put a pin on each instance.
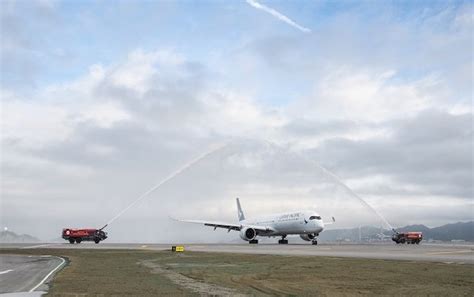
(451, 252)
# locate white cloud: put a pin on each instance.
(33, 124)
(230, 113)
(136, 73)
(366, 95)
(151, 112)
(104, 114)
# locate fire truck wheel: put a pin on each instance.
(71, 241)
(78, 240)
(96, 240)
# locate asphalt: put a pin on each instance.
(26, 274)
(447, 253)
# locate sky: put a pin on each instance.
(101, 100)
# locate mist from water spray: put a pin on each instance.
(349, 190)
(344, 186)
(221, 146)
(168, 178)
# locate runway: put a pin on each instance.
(388, 252)
(447, 253)
(26, 273)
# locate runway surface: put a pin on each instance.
(448, 253)
(26, 273)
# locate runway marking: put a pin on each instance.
(6, 271)
(144, 246)
(49, 274)
(453, 252)
(322, 248)
(37, 246)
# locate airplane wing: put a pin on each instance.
(228, 226)
(223, 225)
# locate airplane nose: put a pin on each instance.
(319, 226)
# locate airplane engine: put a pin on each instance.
(248, 234)
(307, 237)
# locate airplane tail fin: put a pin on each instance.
(240, 213)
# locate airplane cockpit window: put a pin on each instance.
(314, 217)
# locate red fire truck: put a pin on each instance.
(408, 237)
(79, 235)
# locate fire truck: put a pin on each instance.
(407, 237)
(79, 235)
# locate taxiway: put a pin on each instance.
(26, 273)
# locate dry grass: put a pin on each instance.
(326, 276)
(119, 272)
(106, 273)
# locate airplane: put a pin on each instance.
(306, 224)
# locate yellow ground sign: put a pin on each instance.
(177, 248)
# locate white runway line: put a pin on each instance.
(450, 252)
(6, 271)
(37, 246)
(49, 274)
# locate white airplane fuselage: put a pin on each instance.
(307, 224)
(289, 223)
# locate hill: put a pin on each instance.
(12, 237)
(456, 231)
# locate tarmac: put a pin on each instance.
(446, 253)
(26, 275)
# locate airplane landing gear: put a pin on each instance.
(283, 240)
(253, 241)
(315, 242)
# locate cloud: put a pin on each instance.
(120, 132)
(103, 140)
(430, 52)
(23, 48)
(362, 94)
(278, 15)
(428, 154)
(105, 137)
(392, 116)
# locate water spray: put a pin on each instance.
(168, 178)
(345, 187)
(349, 190)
